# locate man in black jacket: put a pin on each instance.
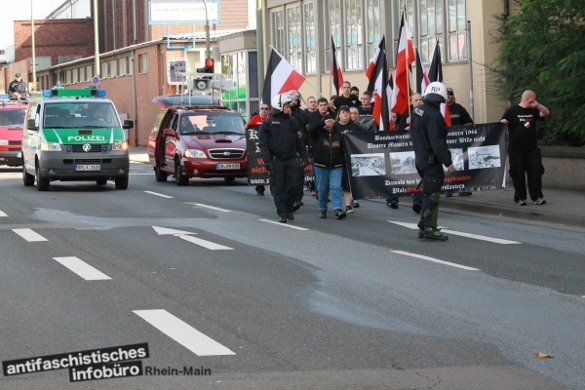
(346, 98)
(17, 87)
(280, 139)
(428, 132)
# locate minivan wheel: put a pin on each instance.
(159, 174)
(121, 183)
(42, 184)
(27, 179)
(180, 179)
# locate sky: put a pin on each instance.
(20, 10)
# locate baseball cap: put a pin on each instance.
(449, 90)
(17, 75)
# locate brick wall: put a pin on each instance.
(54, 37)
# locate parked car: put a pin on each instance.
(205, 140)
(11, 123)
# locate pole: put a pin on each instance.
(406, 58)
(207, 48)
(96, 40)
(260, 46)
(32, 33)
(471, 103)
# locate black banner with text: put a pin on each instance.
(382, 164)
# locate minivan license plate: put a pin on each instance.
(227, 166)
(87, 167)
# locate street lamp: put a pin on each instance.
(32, 33)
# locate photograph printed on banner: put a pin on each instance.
(372, 164)
(402, 163)
(458, 159)
(483, 157)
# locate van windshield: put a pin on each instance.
(211, 123)
(12, 117)
(75, 115)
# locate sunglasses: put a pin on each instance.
(264, 108)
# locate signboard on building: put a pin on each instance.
(182, 12)
(176, 69)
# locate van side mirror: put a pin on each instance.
(128, 124)
(170, 133)
(30, 124)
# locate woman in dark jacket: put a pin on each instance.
(329, 160)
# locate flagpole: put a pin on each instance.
(331, 67)
(406, 58)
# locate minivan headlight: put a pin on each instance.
(50, 146)
(3, 142)
(195, 153)
(120, 145)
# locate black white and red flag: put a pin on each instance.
(404, 57)
(280, 77)
(421, 75)
(379, 75)
(436, 74)
(335, 70)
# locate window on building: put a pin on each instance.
(75, 76)
(82, 77)
(294, 54)
(66, 58)
(430, 27)
(88, 72)
(373, 29)
(104, 70)
(143, 63)
(277, 29)
(113, 68)
(354, 48)
(129, 67)
(68, 77)
(121, 66)
(310, 38)
(457, 30)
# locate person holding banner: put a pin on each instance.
(257, 120)
(428, 132)
(280, 139)
(524, 154)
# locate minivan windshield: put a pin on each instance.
(83, 114)
(12, 117)
(211, 123)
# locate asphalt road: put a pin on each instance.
(207, 278)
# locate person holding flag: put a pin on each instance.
(428, 132)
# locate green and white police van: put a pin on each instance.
(74, 135)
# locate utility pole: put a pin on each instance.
(260, 45)
(207, 48)
(96, 39)
(32, 33)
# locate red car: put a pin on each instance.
(202, 140)
(11, 122)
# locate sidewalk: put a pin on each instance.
(562, 207)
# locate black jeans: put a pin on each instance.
(526, 165)
(285, 184)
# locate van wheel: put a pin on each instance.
(180, 179)
(121, 183)
(229, 179)
(159, 174)
(27, 179)
(42, 184)
(101, 182)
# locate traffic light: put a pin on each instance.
(208, 68)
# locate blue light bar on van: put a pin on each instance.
(59, 92)
(4, 96)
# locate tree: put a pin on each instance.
(542, 48)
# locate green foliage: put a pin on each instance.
(542, 48)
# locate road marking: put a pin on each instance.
(162, 231)
(183, 333)
(29, 235)
(211, 207)
(157, 194)
(422, 257)
(81, 268)
(3, 214)
(283, 224)
(206, 244)
(462, 234)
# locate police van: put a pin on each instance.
(74, 135)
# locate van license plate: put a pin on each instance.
(227, 166)
(88, 167)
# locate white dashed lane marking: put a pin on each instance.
(157, 194)
(81, 268)
(29, 235)
(3, 214)
(432, 259)
(183, 333)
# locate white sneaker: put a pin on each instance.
(521, 202)
(349, 210)
(540, 201)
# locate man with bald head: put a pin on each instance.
(524, 154)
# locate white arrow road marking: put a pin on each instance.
(283, 224)
(161, 195)
(29, 235)
(163, 231)
(456, 233)
(81, 268)
(435, 260)
(183, 333)
(206, 244)
(211, 207)
(3, 214)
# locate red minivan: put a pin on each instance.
(11, 122)
(200, 139)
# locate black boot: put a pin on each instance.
(282, 218)
(290, 216)
(323, 214)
